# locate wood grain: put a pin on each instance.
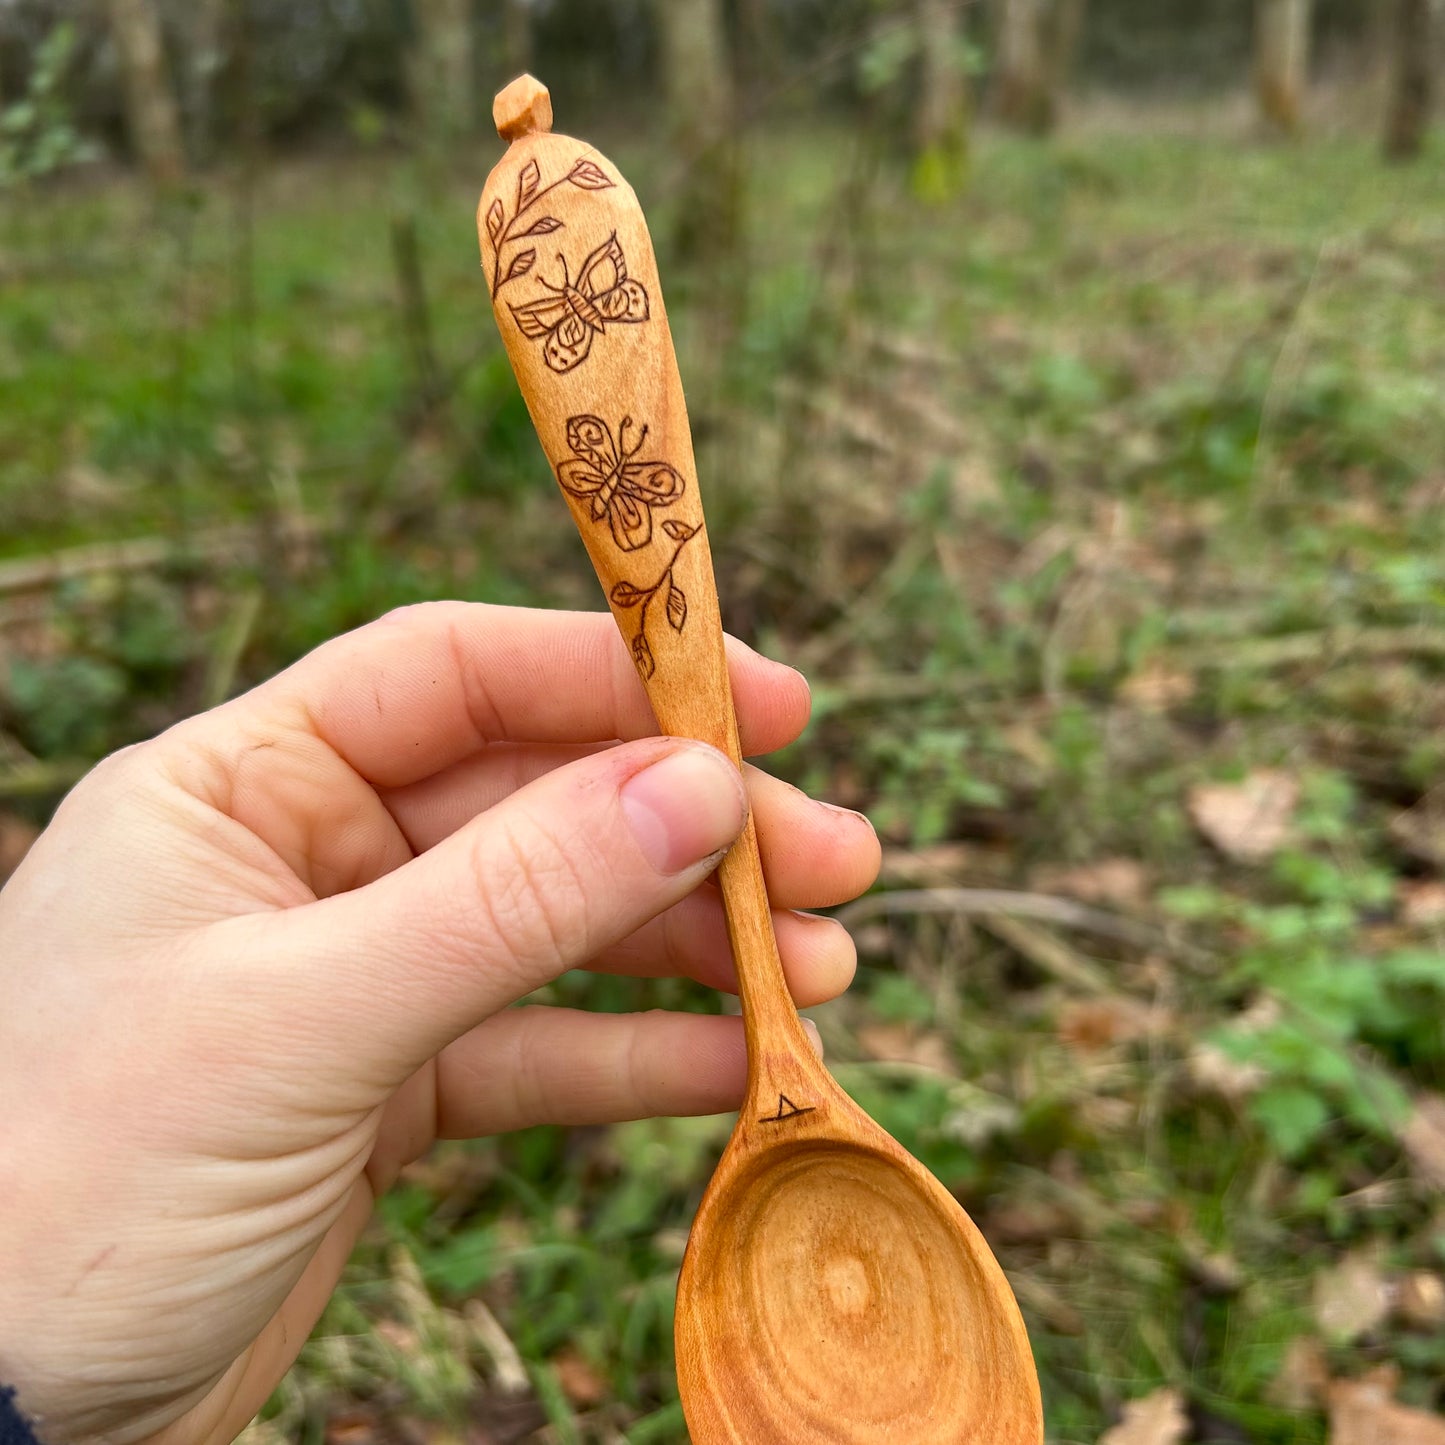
(832, 1289)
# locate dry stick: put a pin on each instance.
(1049, 953)
(863, 689)
(1336, 646)
(509, 1373)
(984, 903)
(234, 638)
(219, 544)
(35, 780)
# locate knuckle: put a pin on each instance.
(536, 897)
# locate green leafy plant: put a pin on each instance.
(37, 134)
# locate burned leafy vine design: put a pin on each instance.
(628, 595)
(502, 232)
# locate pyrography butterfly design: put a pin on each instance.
(567, 320)
(618, 489)
(603, 473)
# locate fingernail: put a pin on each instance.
(814, 1037)
(849, 813)
(686, 808)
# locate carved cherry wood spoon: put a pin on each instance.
(832, 1289)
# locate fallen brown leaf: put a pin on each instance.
(581, 1381)
(907, 1044)
(1096, 1023)
(1157, 687)
(1304, 1375)
(1422, 901)
(358, 1426)
(1363, 1412)
(1247, 821)
(1420, 830)
(938, 863)
(1423, 1138)
(1352, 1297)
(1213, 1070)
(1029, 1221)
(1121, 882)
(1420, 1300)
(16, 836)
(1157, 1419)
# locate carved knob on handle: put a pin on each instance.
(522, 108)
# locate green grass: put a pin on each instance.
(1119, 474)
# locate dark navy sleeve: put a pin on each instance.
(14, 1428)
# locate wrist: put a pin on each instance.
(15, 1428)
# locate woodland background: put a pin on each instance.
(1067, 380)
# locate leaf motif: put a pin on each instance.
(521, 264)
(495, 217)
(679, 531)
(544, 227)
(589, 176)
(527, 184)
(642, 656)
(626, 595)
(677, 607)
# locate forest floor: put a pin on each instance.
(1105, 507)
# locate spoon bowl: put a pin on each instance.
(833, 1290)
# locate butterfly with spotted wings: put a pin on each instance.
(567, 321)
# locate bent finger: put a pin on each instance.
(565, 1066)
(814, 855)
(428, 685)
(690, 940)
(387, 975)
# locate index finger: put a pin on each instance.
(429, 685)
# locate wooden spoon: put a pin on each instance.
(832, 1289)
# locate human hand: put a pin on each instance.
(256, 966)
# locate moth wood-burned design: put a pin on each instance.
(567, 321)
(617, 488)
(502, 232)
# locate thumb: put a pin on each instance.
(391, 973)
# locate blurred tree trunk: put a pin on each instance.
(1411, 81)
(203, 21)
(701, 104)
(151, 114)
(1066, 25)
(441, 71)
(707, 231)
(757, 49)
(517, 35)
(940, 123)
(1035, 42)
(1281, 61)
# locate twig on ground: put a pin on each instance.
(872, 688)
(31, 574)
(1050, 953)
(993, 903)
(34, 780)
(509, 1373)
(231, 645)
(1337, 645)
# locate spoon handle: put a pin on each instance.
(575, 288)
